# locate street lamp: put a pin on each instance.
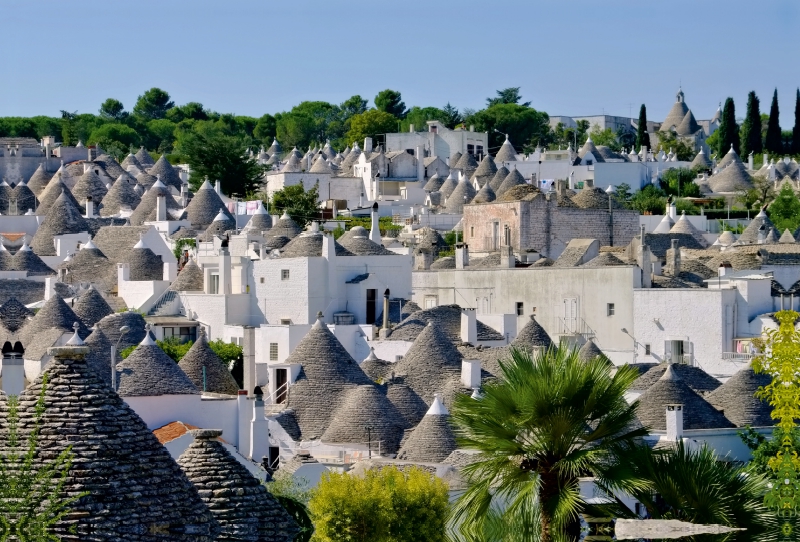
(114, 347)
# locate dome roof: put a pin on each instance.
(149, 372)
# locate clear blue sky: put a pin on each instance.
(263, 56)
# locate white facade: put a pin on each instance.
(440, 141)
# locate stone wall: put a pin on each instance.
(541, 225)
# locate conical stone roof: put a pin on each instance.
(532, 335)
(786, 237)
(98, 359)
(206, 370)
(205, 206)
(434, 183)
(110, 165)
(91, 307)
(320, 165)
(285, 227)
(684, 225)
(89, 264)
(730, 157)
(111, 324)
(26, 260)
(221, 224)
(761, 224)
(375, 368)
(365, 406)
(143, 157)
(239, 502)
(694, 377)
(487, 167)
(134, 488)
(590, 351)
(39, 180)
(406, 400)
(433, 439)
(462, 195)
(168, 174)
(736, 399)
(146, 210)
(260, 220)
(145, 181)
(485, 195)
(149, 372)
(688, 125)
(328, 371)
(122, 193)
(498, 178)
(670, 389)
(54, 314)
(449, 185)
(26, 200)
(676, 114)
(431, 361)
(63, 217)
(51, 193)
(467, 164)
(506, 153)
(701, 160)
(131, 160)
(190, 279)
(89, 185)
(513, 179)
(731, 178)
(292, 165)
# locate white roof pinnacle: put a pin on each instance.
(75, 340)
(148, 340)
(221, 216)
(437, 407)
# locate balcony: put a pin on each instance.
(574, 326)
(741, 357)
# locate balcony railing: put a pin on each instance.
(737, 356)
(574, 326)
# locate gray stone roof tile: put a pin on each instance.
(91, 307)
(216, 378)
(121, 194)
(14, 315)
(136, 486)
(143, 157)
(432, 441)
(39, 180)
(670, 389)
(63, 216)
(694, 377)
(240, 503)
(431, 361)
(190, 279)
(327, 370)
(447, 318)
(205, 206)
(736, 399)
(149, 372)
(366, 406)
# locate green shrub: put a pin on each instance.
(382, 506)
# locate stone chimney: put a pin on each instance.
(673, 266)
(367, 144)
(13, 369)
(561, 188)
(89, 207)
(674, 422)
(423, 258)
(469, 326)
(375, 230)
(420, 164)
(462, 256)
(161, 208)
(506, 257)
(471, 373)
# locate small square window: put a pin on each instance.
(647, 350)
(262, 280)
(286, 322)
(520, 308)
(284, 274)
(273, 351)
(610, 309)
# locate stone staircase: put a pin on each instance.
(161, 306)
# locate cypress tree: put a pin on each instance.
(728, 131)
(796, 131)
(751, 129)
(642, 137)
(773, 142)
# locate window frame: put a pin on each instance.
(611, 309)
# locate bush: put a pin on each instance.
(382, 506)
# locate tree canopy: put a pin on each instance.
(642, 136)
(751, 127)
(390, 101)
(728, 130)
(113, 110)
(300, 204)
(774, 142)
(508, 95)
(524, 125)
(153, 104)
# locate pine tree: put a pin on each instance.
(751, 129)
(642, 137)
(796, 131)
(728, 131)
(773, 142)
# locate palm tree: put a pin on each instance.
(548, 420)
(694, 485)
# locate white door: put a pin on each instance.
(571, 315)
